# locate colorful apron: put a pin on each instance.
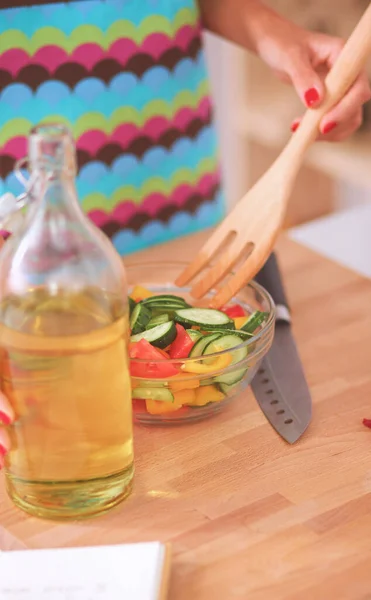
(129, 78)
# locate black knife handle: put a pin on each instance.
(270, 278)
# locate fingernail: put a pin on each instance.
(3, 450)
(329, 127)
(4, 418)
(294, 126)
(311, 96)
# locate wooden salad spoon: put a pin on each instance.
(249, 232)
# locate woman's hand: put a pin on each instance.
(304, 58)
(6, 418)
(295, 55)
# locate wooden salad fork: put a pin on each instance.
(249, 232)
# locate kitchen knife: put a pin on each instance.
(279, 386)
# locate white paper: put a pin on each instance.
(125, 572)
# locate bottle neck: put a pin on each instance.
(52, 161)
(54, 190)
(55, 221)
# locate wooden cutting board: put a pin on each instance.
(249, 516)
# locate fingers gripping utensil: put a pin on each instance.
(252, 227)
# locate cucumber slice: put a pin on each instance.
(139, 319)
(228, 389)
(254, 321)
(166, 299)
(194, 334)
(160, 336)
(164, 308)
(242, 334)
(200, 345)
(159, 320)
(158, 394)
(225, 343)
(207, 318)
(206, 382)
(165, 304)
(132, 305)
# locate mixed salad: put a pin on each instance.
(165, 330)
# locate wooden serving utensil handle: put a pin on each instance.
(345, 71)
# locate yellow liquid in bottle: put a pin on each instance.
(71, 445)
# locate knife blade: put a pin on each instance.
(280, 386)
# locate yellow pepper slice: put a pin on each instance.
(240, 321)
(206, 394)
(183, 384)
(139, 293)
(221, 362)
(154, 407)
(185, 397)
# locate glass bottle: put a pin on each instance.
(63, 339)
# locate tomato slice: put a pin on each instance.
(145, 351)
(139, 406)
(233, 311)
(182, 345)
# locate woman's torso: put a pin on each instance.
(129, 78)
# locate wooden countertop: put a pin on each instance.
(249, 516)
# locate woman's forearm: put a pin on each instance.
(240, 21)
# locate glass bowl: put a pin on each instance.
(197, 395)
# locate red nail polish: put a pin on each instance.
(3, 451)
(294, 126)
(4, 418)
(311, 96)
(329, 127)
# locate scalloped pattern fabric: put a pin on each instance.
(129, 78)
